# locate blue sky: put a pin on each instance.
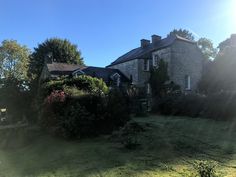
(106, 29)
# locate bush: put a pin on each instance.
(76, 122)
(84, 83)
(84, 115)
(220, 106)
(205, 168)
(129, 135)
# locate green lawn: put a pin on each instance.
(169, 146)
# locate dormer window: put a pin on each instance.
(116, 79)
(146, 65)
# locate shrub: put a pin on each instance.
(220, 106)
(84, 115)
(83, 83)
(129, 135)
(76, 122)
(205, 168)
(116, 111)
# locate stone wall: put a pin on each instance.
(129, 68)
(186, 59)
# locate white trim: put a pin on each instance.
(146, 69)
(74, 73)
(188, 84)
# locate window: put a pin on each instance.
(146, 65)
(116, 79)
(148, 88)
(155, 60)
(187, 82)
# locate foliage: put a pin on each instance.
(83, 115)
(130, 133)
(227, 43)
(75, 85)
(56, 96)
(15, 98)
(207, 48)
(53, 49)
(183, 33)
(219, 106)
(13, 60)
(221, 73)
(76, 122)
(205, 168)
(158, 78)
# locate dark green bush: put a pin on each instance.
(84, 115)
(84, 83)
(220, 106)
(76, 122)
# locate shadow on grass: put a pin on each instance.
(168, 147)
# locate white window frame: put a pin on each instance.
(187, 83)
(155, 60)
(147, 65)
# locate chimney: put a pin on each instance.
(155, 38)
(145, 43)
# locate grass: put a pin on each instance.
(169, 147)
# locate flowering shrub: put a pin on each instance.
(56, 96)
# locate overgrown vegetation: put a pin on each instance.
(82, 107)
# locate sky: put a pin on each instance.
(103, 30)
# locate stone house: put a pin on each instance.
(112, 77)
(184, 58)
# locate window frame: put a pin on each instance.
(187, 82)
(146, 66)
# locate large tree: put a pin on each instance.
(14, 60)
(183, 33)
(221, 73)
(13, 70)
(54, 49)
(207, 48)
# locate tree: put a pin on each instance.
(158, 78)
(14, 60)
(207, 48)
(54, 49)
(221, 74)
(183, 33)
(228, 42)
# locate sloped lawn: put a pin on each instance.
(169, 147)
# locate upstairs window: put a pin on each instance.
(187, 82)
(155, 60)
(146, 65)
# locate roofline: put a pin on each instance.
(176, 38)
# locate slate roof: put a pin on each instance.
(62, 68)
(104, 73)
(145, 52)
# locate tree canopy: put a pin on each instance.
(183, 33)
(207, 48)
(54, 49)
(14, 60)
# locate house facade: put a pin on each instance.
(184, 58)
